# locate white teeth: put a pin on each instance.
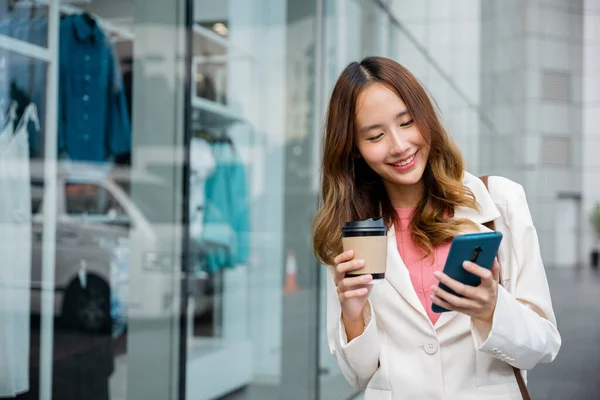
(405, 162)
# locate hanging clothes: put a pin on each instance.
(24, 79)
(93, 119)
(226, 217)
(7, 134)
(202, 166)
(4, 60)
(15, 276)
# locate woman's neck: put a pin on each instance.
(405, 196)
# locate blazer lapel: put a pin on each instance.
(398, 276)
(396, 272)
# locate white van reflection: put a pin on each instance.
(101, 234)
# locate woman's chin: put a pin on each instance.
(405, 180)
(408, 182)
(411, 178)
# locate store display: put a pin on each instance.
(81, 367)
(226, 218)
(202, 166)
(119, 250)
(93, 119)
(15, 277)
(95, 103)
(25, 77)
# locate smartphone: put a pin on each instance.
(480, 248)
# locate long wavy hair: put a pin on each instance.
(352, 191)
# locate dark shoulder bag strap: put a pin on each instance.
(517, 372)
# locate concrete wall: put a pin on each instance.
(531, 91)
(591, 119)
(439, 42)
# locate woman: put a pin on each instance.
(387, 154)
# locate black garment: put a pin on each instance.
(82, 365)
(125, 159)
(127, 88)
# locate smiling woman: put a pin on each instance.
(393, 148)
(379, 117)
(387, 155)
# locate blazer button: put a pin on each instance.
(430, 348)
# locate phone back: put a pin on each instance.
(481, 248)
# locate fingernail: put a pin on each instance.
(368, 277)
(466, 264)
(360, 262)
(437, 274)
(433, 288)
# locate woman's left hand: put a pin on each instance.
(479, 302)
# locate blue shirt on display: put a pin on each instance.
(227, 212)
(93, 118)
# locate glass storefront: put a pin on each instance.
(168, 152)
(94, 109)
(172, 150)
(159, 166)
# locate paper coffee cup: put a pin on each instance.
(368, 239)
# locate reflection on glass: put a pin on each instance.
(254, 137)
(25, 21)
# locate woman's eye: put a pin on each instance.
(376, 138)
(406, 124)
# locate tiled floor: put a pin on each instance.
(574, 373)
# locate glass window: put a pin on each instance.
(37, 195)
(25, 21)
(186, 264)
(83, 198)
(88, 199)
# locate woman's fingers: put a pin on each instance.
(458, 287)
(350, 294)
(487, 277)
(478, 302)
(345, 256)
(455, 301)
(342, 269)
(442, 303)
(347, 284)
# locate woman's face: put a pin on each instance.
(387, 139)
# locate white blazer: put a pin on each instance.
(402, 355)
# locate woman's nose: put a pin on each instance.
(399, 144)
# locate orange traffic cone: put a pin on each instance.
(291, 284)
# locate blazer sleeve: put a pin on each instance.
(359, 359)
(523, 331)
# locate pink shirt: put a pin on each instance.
(421, 269)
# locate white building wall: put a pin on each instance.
(508, 78)
(532, 88)
(591, 120)
(439, 42)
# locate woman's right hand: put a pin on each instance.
(353, 292)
